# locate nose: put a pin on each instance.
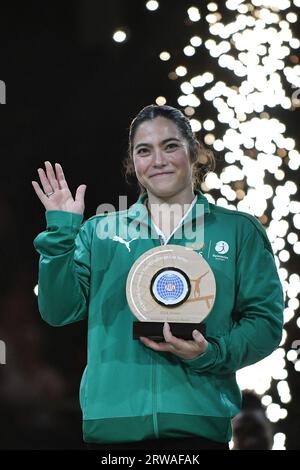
(159, 158)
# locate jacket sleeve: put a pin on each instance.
(64, 268)
(257, 330)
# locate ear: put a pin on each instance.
(198, 147)
(197, 152)
(202, 153)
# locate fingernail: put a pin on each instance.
(196, 332)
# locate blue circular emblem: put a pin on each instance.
(170, 287)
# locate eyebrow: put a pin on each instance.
(162, 142)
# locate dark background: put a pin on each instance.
(71, 95)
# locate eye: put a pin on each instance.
(171, 146)
(143, 151)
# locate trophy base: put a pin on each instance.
(154, 330)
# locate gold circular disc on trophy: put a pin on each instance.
(171, 283)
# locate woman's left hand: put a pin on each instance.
(185, 349)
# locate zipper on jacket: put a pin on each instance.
(154, 395)
(154, 380)
(161, 240)
(154, 374)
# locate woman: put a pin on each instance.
(173, 394)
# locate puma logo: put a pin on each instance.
(116, 238)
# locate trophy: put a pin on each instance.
(173, 284)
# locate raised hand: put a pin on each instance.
(56, 194)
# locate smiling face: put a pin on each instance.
(161, 158)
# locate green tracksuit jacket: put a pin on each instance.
(129, 392)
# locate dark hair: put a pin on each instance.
(203, 159)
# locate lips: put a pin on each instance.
(162, 173)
